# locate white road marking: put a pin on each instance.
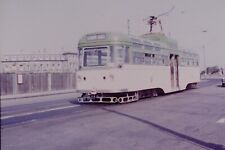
(40, 111)
(222, 120)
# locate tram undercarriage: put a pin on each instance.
(124, 97)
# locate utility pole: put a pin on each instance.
(203, 49)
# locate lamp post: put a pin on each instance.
(203, 49)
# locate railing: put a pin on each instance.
(15, 83)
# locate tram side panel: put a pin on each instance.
(100, 80)
(127, 78)
(140, 77)
(188, 75)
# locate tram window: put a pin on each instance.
(181, 61)
(112, 54)
(148, 58)
(95, 57)
(147, 55)
(158, 60)
(127, 55)
(138, 58)
(137, 45)
(80, 54)
(157, 48)
(121, 54)
(163, 61)
(153, 59)
(148, 47)
(166, 60)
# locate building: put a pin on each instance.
(39, 63)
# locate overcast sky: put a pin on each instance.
(53, 26)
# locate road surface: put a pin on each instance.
(190, 120)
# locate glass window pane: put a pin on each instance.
(95, 57)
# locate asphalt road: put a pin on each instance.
(190, 120)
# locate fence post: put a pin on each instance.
(14, 84)
(49, 81)
(71, 80)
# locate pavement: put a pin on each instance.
(37, 94)
(39, 99)
(190, 120)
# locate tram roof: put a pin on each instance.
(110, 38)
(162, 38)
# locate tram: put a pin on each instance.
(120, 68)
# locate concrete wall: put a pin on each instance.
(12, 83)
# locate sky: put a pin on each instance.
(55, 26)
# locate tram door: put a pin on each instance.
(174, 71)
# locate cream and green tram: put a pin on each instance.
(119, 68)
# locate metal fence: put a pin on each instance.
(14, 83)
(6, 80)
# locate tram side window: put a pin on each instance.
(197, 63)
(153, 60)
(138, 58)
(112, 54)
(185, 62)
(127, 55)
(157, 48)
(188, 62)
(164, 60)
(159, 60)
(148, 58)
(121, 54)
(137, 45)
(80, 57)
(149, 47)
(182, 62)
(193, 62)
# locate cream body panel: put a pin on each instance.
(134, 78)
